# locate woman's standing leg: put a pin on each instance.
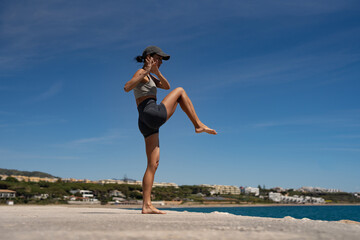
(153, 157)
(179, 95)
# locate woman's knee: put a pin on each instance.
(153, 166)
(179, 90)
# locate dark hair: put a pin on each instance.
(141, 59)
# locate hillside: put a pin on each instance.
(4, 171)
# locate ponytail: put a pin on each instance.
(142, 58)
(139, 59)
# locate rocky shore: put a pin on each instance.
(64, 222)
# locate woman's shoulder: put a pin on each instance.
(145, 80)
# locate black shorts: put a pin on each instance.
(151, 116)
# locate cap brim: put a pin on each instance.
(164, 56)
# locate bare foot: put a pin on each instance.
(151, 210)
(204, 128)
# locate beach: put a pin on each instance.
(73, 222)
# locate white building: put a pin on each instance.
(112, 181)
(252, 190)
(41, 196)
(278, 198)
(84, 193)
(275, 197)
(164, 184)
(318, 190)
(134, 182)
(4, 193)
(223, 189)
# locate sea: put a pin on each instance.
(318, 212)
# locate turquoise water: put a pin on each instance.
(327, 213)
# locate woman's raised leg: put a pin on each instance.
(153, 157)
(179, 95)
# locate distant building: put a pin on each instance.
(117, 193)
(41, 196)
(278, 189)
(275, 197)
(86, 197)
(278, 198)
(164, 184)
(77, 180)
(84, 193)
(112, 181)
(222, 189)
(29, 179)
(252, 190)
(318, 190)
(5, 193)
(134, 182)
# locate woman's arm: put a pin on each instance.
(135, 80)
(139, 75)
(162, 81)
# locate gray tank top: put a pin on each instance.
(145, 89)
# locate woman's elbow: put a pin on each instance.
(127, 87)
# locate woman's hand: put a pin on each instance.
(149, 63)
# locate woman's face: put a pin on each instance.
(158, 60)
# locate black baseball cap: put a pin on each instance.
(154, 49)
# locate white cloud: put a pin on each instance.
(15, 155)
(50, 92)
(43, 29)
(309, 120)
(32, 121)
(109, 138)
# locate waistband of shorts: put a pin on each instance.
(145, 102)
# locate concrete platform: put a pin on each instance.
(63, 222)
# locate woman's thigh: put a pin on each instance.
(171, 101)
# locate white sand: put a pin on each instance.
(63, 222)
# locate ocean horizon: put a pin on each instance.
(318, 212)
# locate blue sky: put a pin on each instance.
(278, 80)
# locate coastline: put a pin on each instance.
(135, 206)
(232, 205)
(78, 222)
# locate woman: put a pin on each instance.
(152, 116)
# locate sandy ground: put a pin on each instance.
(64, 222)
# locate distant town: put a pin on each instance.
(34, 189)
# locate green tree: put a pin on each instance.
(136, 195)
(4, 185)
(11, 179)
